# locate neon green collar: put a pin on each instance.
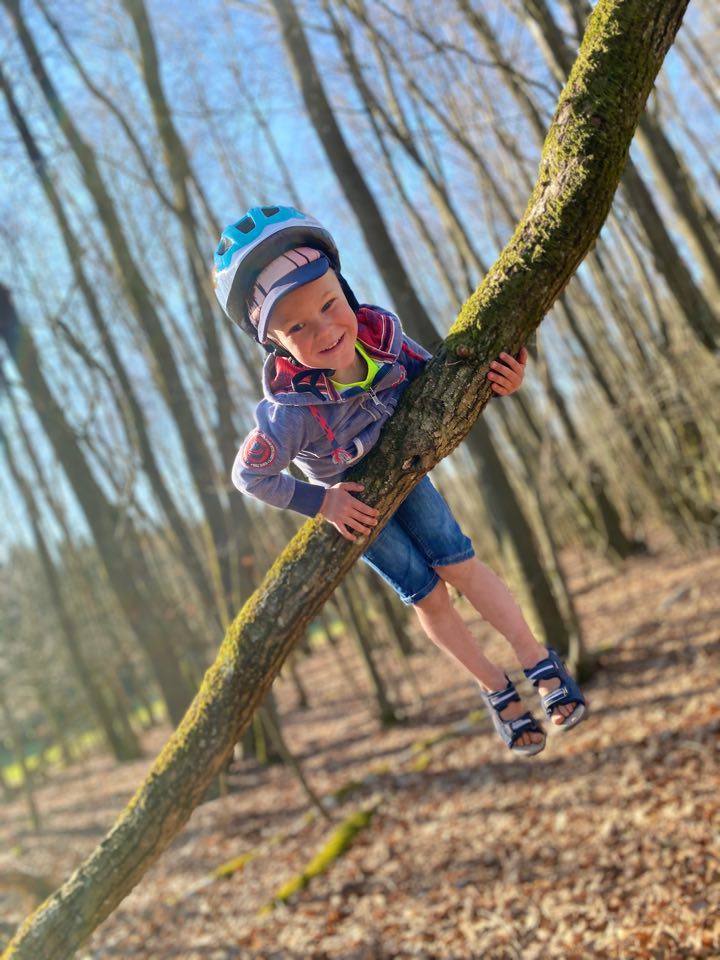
(372, 369)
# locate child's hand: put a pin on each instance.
(507, 376)
(343, 510)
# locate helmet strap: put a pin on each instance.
(347, 290)
(275, 348)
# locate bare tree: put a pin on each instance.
(353, 183)
(123, 557)
(120, 739)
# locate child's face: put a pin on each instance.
(317, 325)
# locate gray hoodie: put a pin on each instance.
(303, 418)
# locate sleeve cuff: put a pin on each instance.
(307, 498)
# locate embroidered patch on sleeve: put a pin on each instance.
(258, 450)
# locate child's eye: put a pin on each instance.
(295, 328)
(326, 306)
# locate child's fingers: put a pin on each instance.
(359, 518)
(356, 524)
(361, 513)
(507, 361)
(509, 383)
(343, 530)
(347, 486)
(364, 508)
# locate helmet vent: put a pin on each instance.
(270, 211)
(246, 225)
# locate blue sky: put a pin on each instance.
(202, 47)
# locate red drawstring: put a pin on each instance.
(339, 455)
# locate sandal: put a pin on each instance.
(510, 731)
(568, 691)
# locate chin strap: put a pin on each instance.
(349, 295)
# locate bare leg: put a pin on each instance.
(493, 601)
(446, 628)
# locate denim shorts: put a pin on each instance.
(420, 535)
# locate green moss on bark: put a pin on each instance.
(340, 841)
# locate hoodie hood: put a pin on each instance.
(288, 382)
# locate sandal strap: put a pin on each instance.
(501, 698)
(509, 731)
(557, 697)
(567, 693)
(543, 670)
(524, 724)
(520, 724)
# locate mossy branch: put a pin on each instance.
(340, 841)
(583, 158)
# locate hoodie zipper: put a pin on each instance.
(377, 401)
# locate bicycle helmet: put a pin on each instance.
(250, 244)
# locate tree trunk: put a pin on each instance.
(123, 745)
(584, 155)
(15, 741)
(353, 615)
(140, 297)
(123, 558)
(237, 584)
(691, 300)
(341, 159)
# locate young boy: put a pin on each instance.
(334, 374)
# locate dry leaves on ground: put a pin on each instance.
(606, 845)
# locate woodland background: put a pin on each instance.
(130, 136)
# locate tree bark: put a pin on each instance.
(138, 420)
(127, 568)
(691, 300)
(237, 584)
(583, 158)
(341, 159)
(124, 745)
(179, 402)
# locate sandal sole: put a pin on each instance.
(575, 719)
(526, 752)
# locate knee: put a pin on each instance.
(435, 602)
(458, 574)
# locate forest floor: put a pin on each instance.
(605, 845)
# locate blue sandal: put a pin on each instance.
(568, 691)
(510, 731)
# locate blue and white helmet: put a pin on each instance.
(247, 246)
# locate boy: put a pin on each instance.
(334, 375)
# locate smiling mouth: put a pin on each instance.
(334, 345)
